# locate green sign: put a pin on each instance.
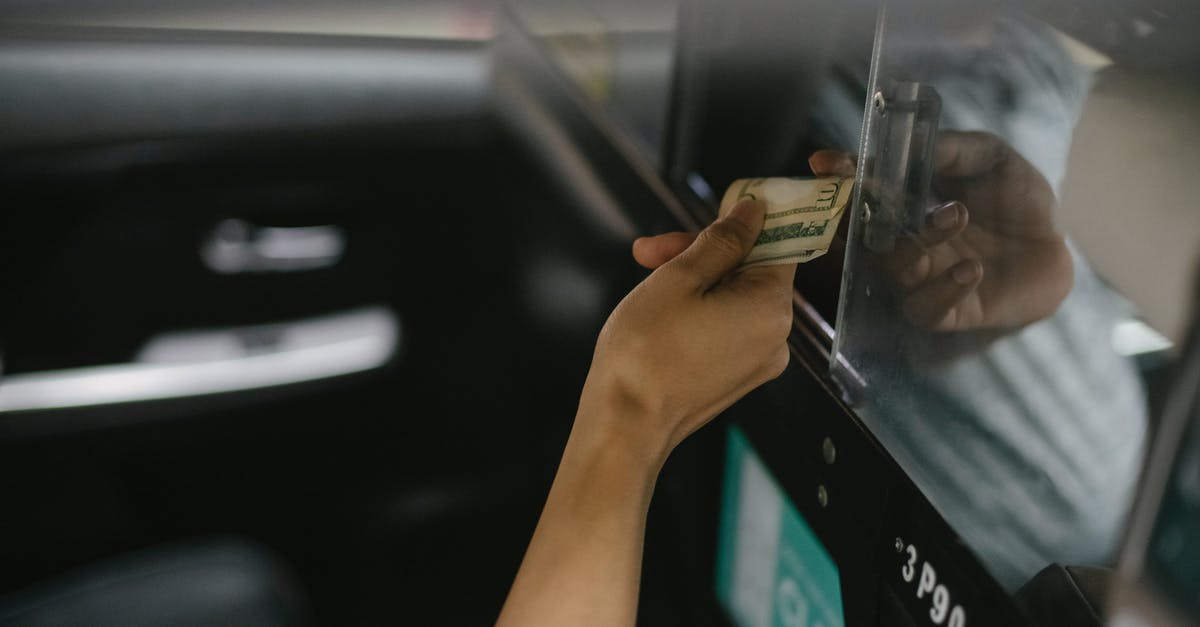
(772, 571)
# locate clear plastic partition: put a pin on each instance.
(1018, 257)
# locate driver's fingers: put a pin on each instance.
(652, 252)
(959, 154)
(907, 263)
(937, 305)
(832, 163)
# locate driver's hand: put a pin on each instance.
(989, 257)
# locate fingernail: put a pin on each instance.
(966, 273)
(945, 217)
(746, 212)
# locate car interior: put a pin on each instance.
(299, 299)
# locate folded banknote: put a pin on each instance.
(802, 215)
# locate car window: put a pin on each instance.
(619, 54)
(1000, 347)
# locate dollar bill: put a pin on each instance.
(802, 215)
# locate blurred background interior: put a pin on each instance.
(298, 296)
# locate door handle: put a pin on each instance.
(185, 364)
(237, 246)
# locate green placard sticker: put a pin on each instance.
(772, 571)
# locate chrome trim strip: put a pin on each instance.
(195, 363)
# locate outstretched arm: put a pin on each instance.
(685, 344)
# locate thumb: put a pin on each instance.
(721, 247)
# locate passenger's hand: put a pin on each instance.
(990, 257)
(691, 339)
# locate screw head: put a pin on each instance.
(828, 451)
(822, 496)
(879, 102)
(899, 545)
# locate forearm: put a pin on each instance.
(583, 564)
(654, 379)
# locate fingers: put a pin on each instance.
(944, 222)
(938, 304)
(721, 247)
(779, 362)
(652, 252)
(766, 286)
(832, 163)
(907, 262)
(964, 155)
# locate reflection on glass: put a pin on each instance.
(617, 52)
(974, 337)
